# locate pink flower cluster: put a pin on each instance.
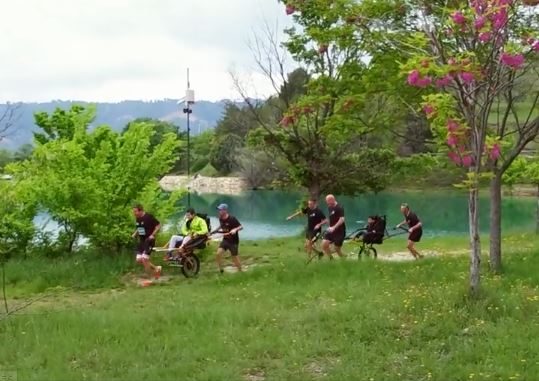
(485, 37)
(290, 9)
(458, 18)
(490, 17)
(444, 81)
(460, 158)
(458, 153)
(514, 61)
(295, 113)
(287, 121)
(533, 43)
(494, 152)
(466, 77)
(429, 110)
(415, 79)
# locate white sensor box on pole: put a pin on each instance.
(190, 96)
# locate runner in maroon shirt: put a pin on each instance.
(336, 232)
(415, 228)
(147, 227)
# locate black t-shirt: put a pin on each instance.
(412, 219)
(314, 217)
(146, 225)
(335, 214)
(227, 224)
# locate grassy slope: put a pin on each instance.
(282, 321)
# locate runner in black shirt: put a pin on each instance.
(230, 226)
(415, 228)
(314, 217)
(337, 228)
(147, 227)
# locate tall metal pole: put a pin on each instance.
(187, 110)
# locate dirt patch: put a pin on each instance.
(138, 280)
(233, 269)
(316, 369)
(254, 375)
(404, 256)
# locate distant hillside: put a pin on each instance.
(205, 116)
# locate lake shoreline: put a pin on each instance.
(231, 185)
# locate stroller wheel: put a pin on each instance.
(190, 265)
(368, 251)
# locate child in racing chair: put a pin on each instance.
(374, 231)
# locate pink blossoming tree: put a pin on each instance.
(482, 92)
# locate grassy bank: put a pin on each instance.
(282, 320)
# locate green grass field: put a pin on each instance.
(280, 320)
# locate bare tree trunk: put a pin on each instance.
(314, 191)
(496, 222)
(475, 241)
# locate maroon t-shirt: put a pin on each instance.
(228, 224)
(412, 219)
(335, 213)
(146, 225)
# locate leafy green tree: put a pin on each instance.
(88, 181)
(515, 173)
(160, 129)
(532, 175)
(62, 124)
(201, 146)
(525, 172)
(23, 152)
(325, 132)
(258, 168)
(6, 157)
(17, 211)
(236, 120)
(224, 153)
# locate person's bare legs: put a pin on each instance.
(148, 267)
(338, 250)
(219, 259)
(326, 248)
(412, 249)
(308, 247)
(237, 263)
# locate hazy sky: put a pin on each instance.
(111, 50)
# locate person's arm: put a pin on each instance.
(416, 226)
(156, 229)
(236, 229)
(402, 223)
(152, 236)
(323, 222)
(337, 224)
(298, 213)
(340, 221)
(183, 229)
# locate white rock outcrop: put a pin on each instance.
(202, 184)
